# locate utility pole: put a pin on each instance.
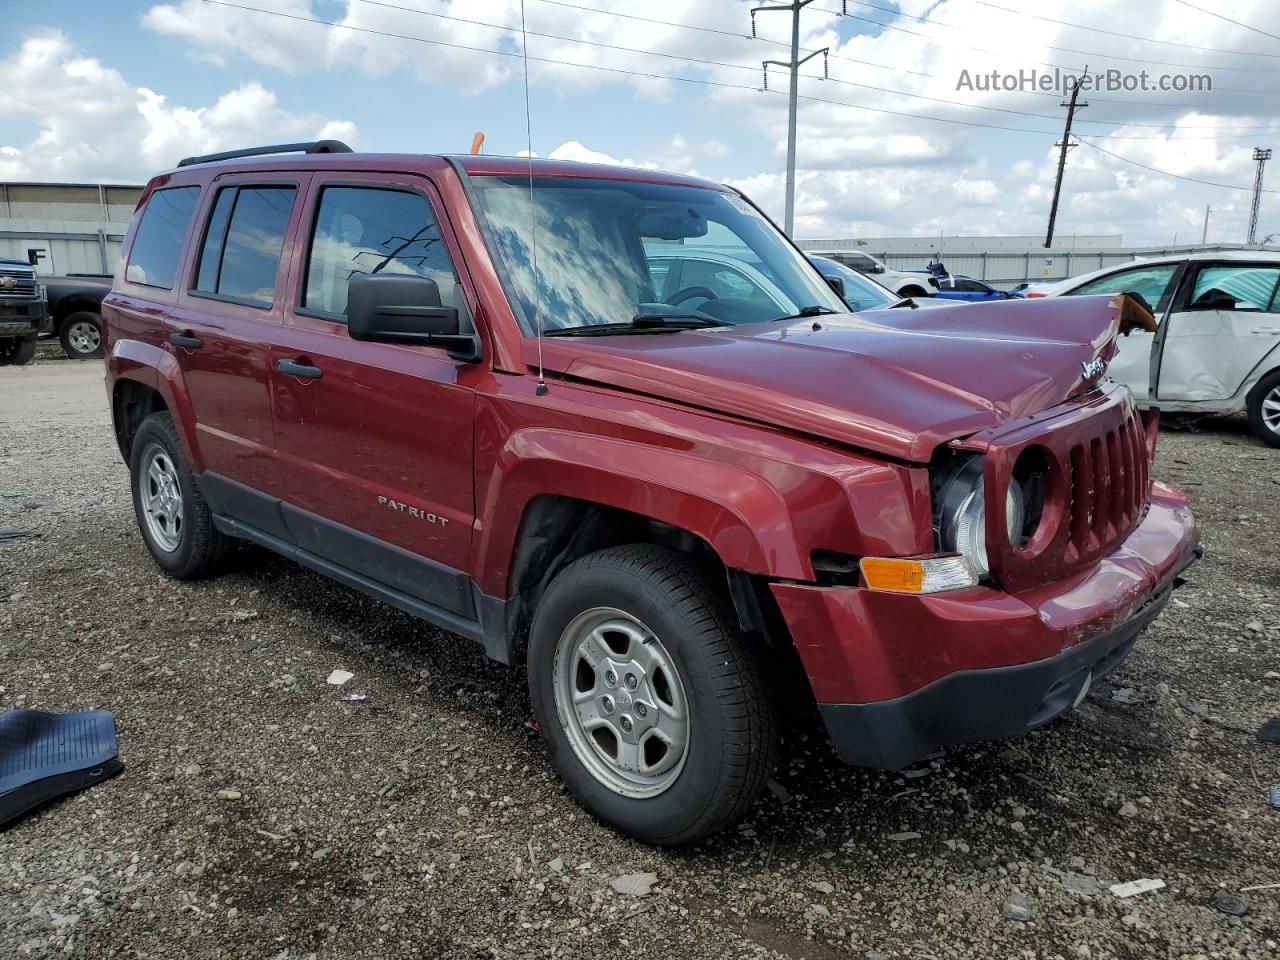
(1204, 234)
(1072, 106)
(788, 220)
(1261, 156)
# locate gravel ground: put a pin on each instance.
(262, 816)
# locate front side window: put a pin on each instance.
(592, 269)
(157, 245)
(1235, 288)
(1150, 282)
(243, 242)
(372, 230)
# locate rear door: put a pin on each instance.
(225, 316)
(1225, 321)
(1155, 283)
(376, 444)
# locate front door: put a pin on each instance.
(374, 441)
(226, 311)
(1155, 284)
(1224, 322)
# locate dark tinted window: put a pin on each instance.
(158, 242)
(367, 230)
(248, 229)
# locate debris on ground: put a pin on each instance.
(354, 697)
(1229, 903)
(339, 677)
(1133, 888)
(1081, 884)
(1269, 732)
(13, 533)
(1017, 907)
(634, 884)
(1126, 695)
(1275, 797)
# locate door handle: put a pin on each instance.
(1274, 331)
(185, 339)
(295, 369)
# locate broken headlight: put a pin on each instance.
(960, 513)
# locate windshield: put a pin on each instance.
(609, 251)
(859, 292)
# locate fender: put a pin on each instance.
(158, 369)
(742, 516)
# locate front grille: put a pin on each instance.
(24, 283)
(1097, 482)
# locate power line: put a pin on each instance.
(879, 66)
(678, 79)
(837, 80)
(1228, 19)
(723, 33)
(1165, 173)
(1124, 36)
(1005, 53)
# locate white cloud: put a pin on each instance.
(94, 125)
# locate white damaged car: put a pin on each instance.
(1216, 348)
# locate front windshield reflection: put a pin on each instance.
(609, 251)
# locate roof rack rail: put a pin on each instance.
(315, 146)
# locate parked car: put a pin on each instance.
(1217, 346)
(449, 382)
(957, 286)
(904, 283)
(21, 309)
(74, 312)
(860, 292)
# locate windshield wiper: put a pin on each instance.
(640, 323)
(810, 311)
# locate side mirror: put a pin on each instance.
(836, 284)
(877, 269)
(396, 308)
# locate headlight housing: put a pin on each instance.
(960, 513)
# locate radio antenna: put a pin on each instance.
(533, 211)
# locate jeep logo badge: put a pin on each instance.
(1093, 369)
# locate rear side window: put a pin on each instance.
(370, 230)
(153, 261)
(243, 241)
(1235, 288)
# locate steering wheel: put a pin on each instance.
(688, 293)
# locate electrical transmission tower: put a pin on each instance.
(1261, 156)
(788, 220)
(1064, 145)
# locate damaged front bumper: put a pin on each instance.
(897, 676)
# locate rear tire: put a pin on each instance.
(16, 351)
(176, 523)
(1264, 409)
(672, 669)
(81, 335)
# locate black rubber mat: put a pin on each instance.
(46, 755)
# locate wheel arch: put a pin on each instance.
(145, 379)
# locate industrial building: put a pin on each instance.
(65, 227)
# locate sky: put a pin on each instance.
(902, 136)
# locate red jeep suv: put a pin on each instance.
(610, 423)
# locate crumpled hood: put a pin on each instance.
(897, 382)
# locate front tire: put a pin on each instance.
(16, 351)
(176, 523)
(1264, 409)
(654, 707)
(81, 335)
